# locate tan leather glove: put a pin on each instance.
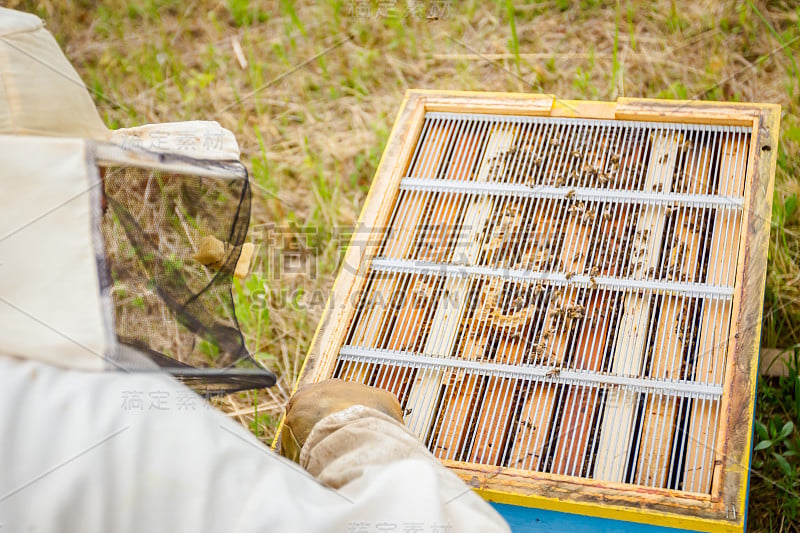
(313, 402)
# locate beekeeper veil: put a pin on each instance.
(118, 249)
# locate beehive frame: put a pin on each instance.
(719, 507)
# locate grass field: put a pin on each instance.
(311, 88)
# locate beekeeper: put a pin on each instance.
(85, 446)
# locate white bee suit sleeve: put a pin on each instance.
(100, 452)
(88, 450)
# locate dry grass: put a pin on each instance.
(312, 139)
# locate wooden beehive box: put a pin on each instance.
(566, 298)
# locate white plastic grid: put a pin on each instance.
(554, 295)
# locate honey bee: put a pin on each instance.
(576, 154)
(592, 282)
(568, 276)
(658, 187)
(671, 209)
(680, 181)
(615, 159)
(555, 142)
(537, 161)
(594, 272)
(577, 207)
(686, 146)
(553, 372)
(571, 193)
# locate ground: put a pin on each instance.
(311, 89)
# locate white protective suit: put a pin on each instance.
(87, 448)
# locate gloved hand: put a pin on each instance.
(313, 402)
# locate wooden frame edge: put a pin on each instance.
(639, 504)
(321, 354)
(745, 337)
(611, 512)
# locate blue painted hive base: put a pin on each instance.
(524, 519)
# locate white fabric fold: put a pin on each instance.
(198, 139)
(96, 452)
(40, 92)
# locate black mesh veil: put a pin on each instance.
(170, 303)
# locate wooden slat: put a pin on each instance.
(463, 393)
(359, 372)
(734, 440)
(714, 332)
(461, 403)
(493, 421)
(371, 322)
(525, 104)
(340, 310)
(576, 427)
(421, 404)
(616, 432)
(419, 298)
(653, 453)
(566, 316)
(395, 379)
(432, 245)
(566, 303)
(675, 326)
(686, 111)
(530, 434)
(500, 324)
(533, 427)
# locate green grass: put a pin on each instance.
(513, 44)
(312, 140)
(776, 459)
